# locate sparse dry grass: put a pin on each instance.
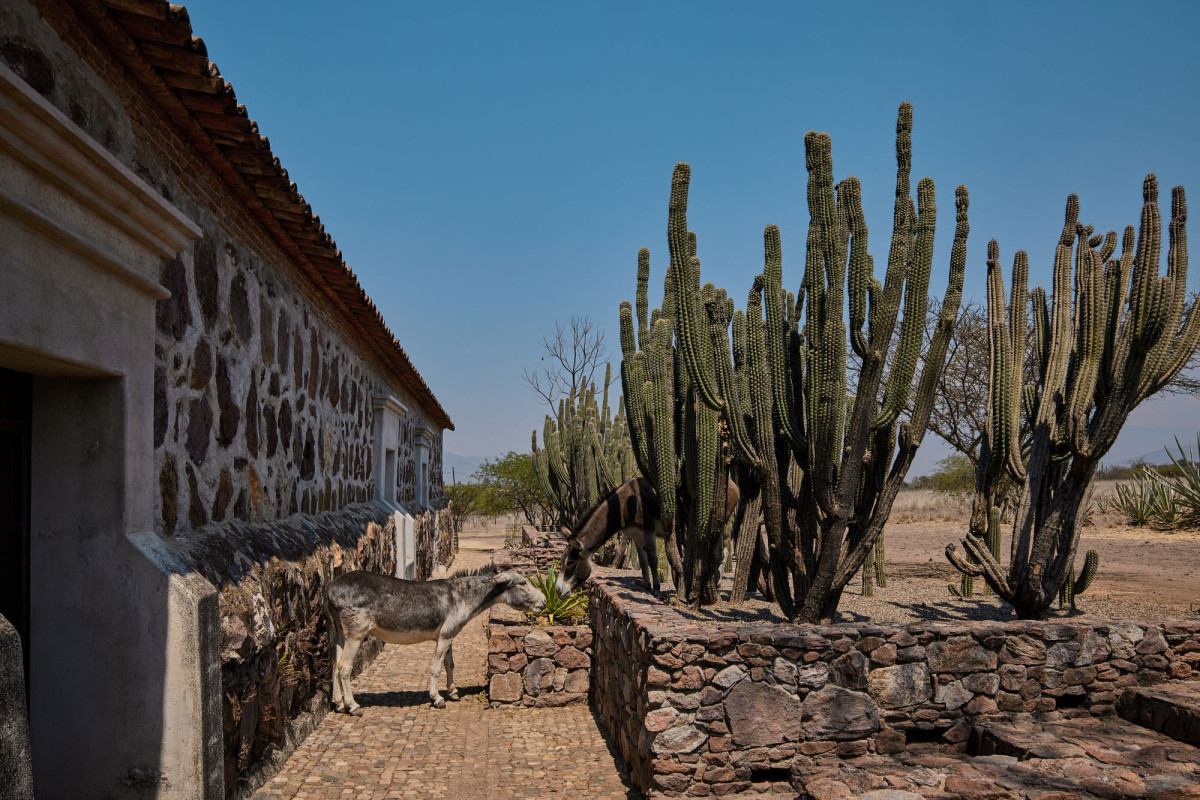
(922, 505)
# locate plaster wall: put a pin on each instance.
(82, 239)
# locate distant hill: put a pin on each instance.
(463, 466)
(1136, 443)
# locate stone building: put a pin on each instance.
(203, 417)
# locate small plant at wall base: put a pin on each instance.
(1103, 343)
(558, 608)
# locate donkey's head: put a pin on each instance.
(574, 567)
(516, 590)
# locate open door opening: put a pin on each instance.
(16, 407)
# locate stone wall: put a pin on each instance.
(706, 708)
(16, 761)
(276, 658)
(262, 390)
(530, 665)
(540, 550)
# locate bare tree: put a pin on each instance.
(960, 412)
(571, 355)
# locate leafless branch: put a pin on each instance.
(571, 356)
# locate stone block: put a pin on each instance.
(684, 739)
(838, 713)
(960, 654)
(539, 676)
(759, 714)
(505, 688)
(539, 644)
(900, 686)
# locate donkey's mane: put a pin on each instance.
(486, 569)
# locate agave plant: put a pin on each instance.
(557, 606)
(1183, 485)
(1147, 500)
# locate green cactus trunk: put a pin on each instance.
(825, 459)
(1117, 336)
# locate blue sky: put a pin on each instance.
(489, 168)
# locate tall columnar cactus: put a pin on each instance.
(587, 452)
(1104, 344)
(822, 460)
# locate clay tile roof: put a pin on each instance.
(153, 39)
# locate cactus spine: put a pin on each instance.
(822, 462)
(1122, 334)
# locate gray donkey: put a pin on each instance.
(404, 612)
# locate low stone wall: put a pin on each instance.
(532, 665)
(530, 560)
(703, 709)
(276, 657)
(541, 536)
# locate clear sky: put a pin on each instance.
(488, 168)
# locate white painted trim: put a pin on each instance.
(387, 402)
(43, 138)
(72, 241)
(425, 437)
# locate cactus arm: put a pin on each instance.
(777, 329)
(643, 281)
(690, 327)
(916, 298)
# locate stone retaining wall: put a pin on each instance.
(530, 560)
(531, 665)
(275, 650)
(699, 709)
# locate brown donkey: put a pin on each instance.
(633, 510)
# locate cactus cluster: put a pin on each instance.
(765, 392)
(1102, 344)
(586, 452)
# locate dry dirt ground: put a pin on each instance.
(1144, 573)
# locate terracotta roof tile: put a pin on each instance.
(154, 40)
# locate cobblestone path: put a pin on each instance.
(402, 747)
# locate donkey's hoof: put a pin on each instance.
(439, 703)
(453, 695)
(355, 712)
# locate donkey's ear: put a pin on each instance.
(509, 578)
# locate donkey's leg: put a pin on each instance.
(339, 642)
(451, 689)
(648, 555)
(435, 671)
(355, 628)
(643, 562)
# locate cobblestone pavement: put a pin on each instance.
(402, 747)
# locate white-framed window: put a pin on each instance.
(389, 414)
(424, 464)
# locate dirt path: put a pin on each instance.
(402, 747)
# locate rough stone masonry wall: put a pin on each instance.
(263, 415)
(705, 708)
(540, 666)
(545, 665)
(262, 391)
(276, 657)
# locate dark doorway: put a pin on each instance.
(16, 409)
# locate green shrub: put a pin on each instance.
(954, 475)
